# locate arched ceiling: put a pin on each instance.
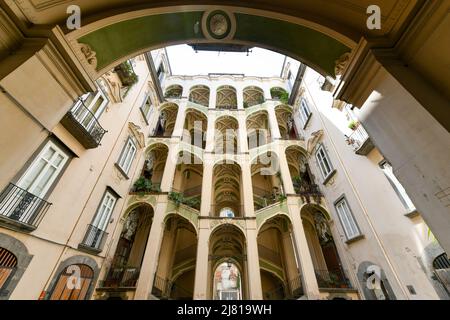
(317, 33)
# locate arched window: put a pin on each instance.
(227, 213)
(8, 263)
(227, 282)
(73, 283)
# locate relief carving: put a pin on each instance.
(341, 64)
(89, 55)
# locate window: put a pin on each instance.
(305, 112)
(104, 211)
(96, 232)
(324, 162)
(227, 213)
(127, 156)
(397, 186)
(44, 170)
(347, 220)
(146, 107)
(160, 72)
(89, 108)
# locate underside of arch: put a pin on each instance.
(115, 42)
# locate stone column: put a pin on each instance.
(254, 272)
(150, 261)
(170, 167)
(242, 133)
(247, 188)
(179, 123)
(212, 97)
(309, 281)
(210, 132)
(289, 257)
(202, 274)
(285, 174)
(240, 98)
(273, 123)
(207, 187)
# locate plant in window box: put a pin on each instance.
(246, 105)
(353, 124)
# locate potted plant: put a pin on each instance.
(353, 124)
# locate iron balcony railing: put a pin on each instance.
(358, 137)
(334, 278)
(94, 238)
(19, 205)
(308, 191)
(83, 124)
(122, 277)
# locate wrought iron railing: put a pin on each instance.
(358, 137)
(22, 206)
(155, 187)
(122, 277)
(308, 191)
(335, 278)
(94, 238)
(87, 120)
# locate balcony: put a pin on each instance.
(21, 209)
(143, 186)
(360, 140)
(332, 279)
(83, 125)
(308, 192)
(121, 277)
(180, 198)
(263, 198)
(94, 239)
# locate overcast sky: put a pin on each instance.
(260, 62)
